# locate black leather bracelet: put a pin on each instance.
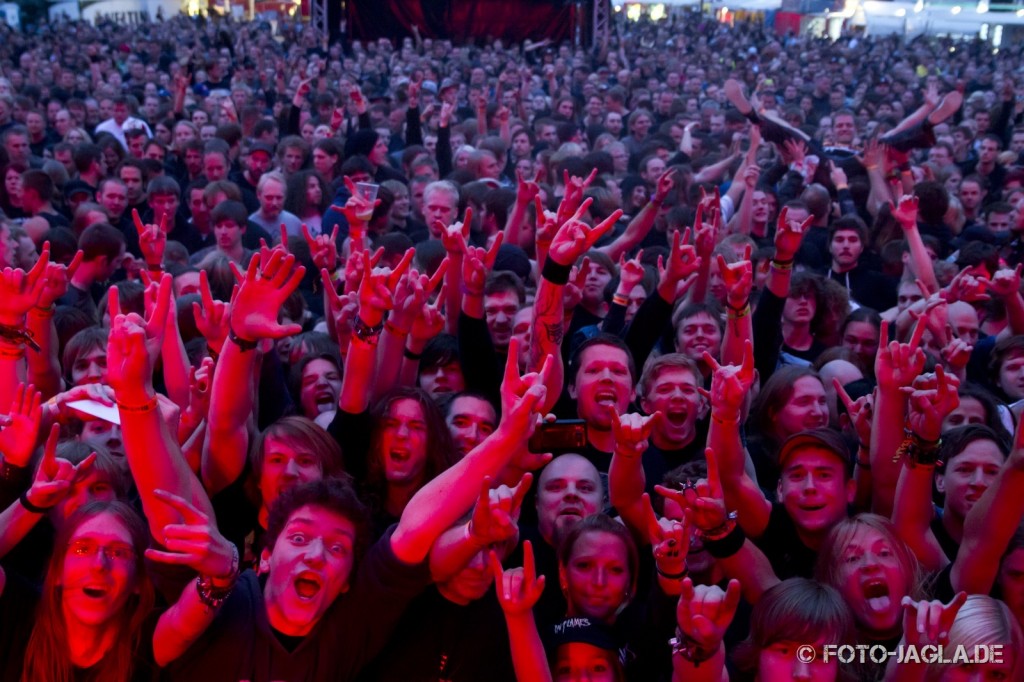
(412, 356)
(556, 273)
(242, 344)
(35, 509)
(727, 546)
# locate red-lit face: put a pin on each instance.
(99, 572)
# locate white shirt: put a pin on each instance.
(130, 123)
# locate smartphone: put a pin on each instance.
(560, 436)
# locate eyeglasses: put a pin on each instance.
(116, 552)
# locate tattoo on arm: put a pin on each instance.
(555, 331)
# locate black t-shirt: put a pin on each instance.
(789, 556)
(438, 639)
(949, 546)
(241, 645)
(658, 462)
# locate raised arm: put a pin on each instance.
(495, 521)
(44, 365)
(518, 591)
(152, 451)
(934, 397)
(411, 294)
(20, 291)
(376, 297)
(526, 192)
(896, 366)
(723, 537)
(703, 615)
(269, 280)
(194, 542)
(573, 239)
(53, 479)
(730, 385)
(920, 262)
(444, 500)
(642, 223)
(738, 278)
(626, 480)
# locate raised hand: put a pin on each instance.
(152, 240)
(683, 261)
(574, 189)
(129, 368)
(547, 223)
(522, 396)
(738, 278)
(705, 498)
(430, 321)
(575, 237)
(905, 212)
(789, 236)
(21, 430)
(898, 364)
(323, 248)
(354, 268)
(730, 384)
(496, 514)
(632, 432)
(195, 542)
(377, 290)
(55, 476)
(1006, 283)
(57, 278)
(518, 589)
(20, 290)
(705, 612)
(528, 190)
(670, 539)
(705, 234)
(929, 622)
(631, 272)
(860, 412)
(200, 383)
(666, 181)
(358, 209)
(970, 285)
(477, 264)
(264, 289)
(956, 354)
(932, 398)
(341, 308)
(212, 317)
(455, 237)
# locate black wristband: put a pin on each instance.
(412, 356)
(242, 344)
(727, 546)
(31, 507)
(556, 273)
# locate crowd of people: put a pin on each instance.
(405, 360)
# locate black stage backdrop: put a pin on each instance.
(462, 21)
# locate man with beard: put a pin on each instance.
(867, 286)
(568, 490)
